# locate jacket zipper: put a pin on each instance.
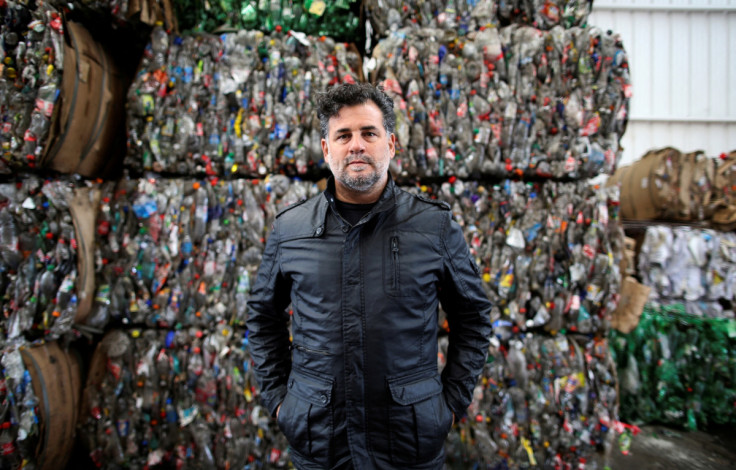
(395, 258)
(313, 351)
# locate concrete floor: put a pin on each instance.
(663, 448)
(655, 448)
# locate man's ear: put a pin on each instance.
(392, 144)
(325, 150)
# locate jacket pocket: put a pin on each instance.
(419, 418)
(306, 416)
(392, 268)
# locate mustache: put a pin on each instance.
(363, 158)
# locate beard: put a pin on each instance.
(365, 180)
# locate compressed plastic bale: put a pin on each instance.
(676, 368)
(503, 102)
(182, 252)
(466, 16)
(39, 258)
(316, 17)
(177, 397)
(548, 251)
(541, 400)
(20, 438)
(33, 62)
(235, 104)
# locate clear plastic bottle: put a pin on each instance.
(65, 306)
(9, 240)
(199, 227)
(159, 47)
(8, 447)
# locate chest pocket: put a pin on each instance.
(406, 267)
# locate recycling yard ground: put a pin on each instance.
(663, 448)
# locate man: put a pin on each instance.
(364, 266)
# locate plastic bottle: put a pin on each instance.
(8, 447)
(9, 240)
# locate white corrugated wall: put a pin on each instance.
(682, 57)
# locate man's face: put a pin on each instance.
(358, 150)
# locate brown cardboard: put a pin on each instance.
(56, 378)
(83, 209)
(88, 125)
(631, 305)
(649, 186)
(151, 12)
(687, 170)
(95, 376)
(724, 218)
(322, 184)
(170, 16)
(134, 8)
(628, 260)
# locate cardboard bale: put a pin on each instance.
(649, 186)
(56, 378)
(87, 134)
(724, 193)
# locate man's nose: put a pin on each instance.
(357, 145)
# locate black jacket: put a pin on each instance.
(359, 381)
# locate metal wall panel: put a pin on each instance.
(682, 55)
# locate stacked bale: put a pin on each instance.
(468, 15)
(511, 101)
(239, 104)
(182, 252)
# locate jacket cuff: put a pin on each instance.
(456, 407)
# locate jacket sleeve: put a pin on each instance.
(468, 315)
(267, 323)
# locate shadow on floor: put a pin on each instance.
(664, 448)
